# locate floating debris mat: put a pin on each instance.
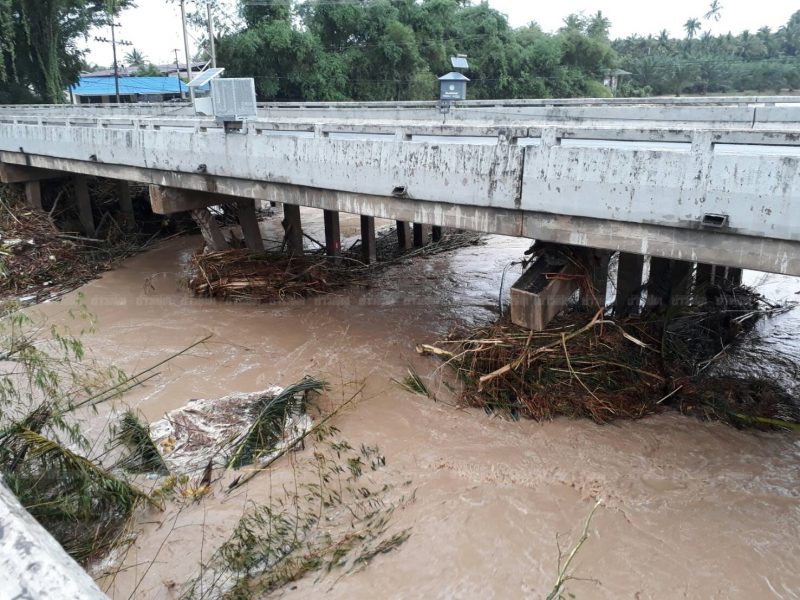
(235, 430)
(243, 275)
(621, 369)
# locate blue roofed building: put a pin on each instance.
(96, 90)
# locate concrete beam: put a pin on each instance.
(84, 202)
(248, 221)
(707, 246)
(12, 173)
(629, 284)
(421, 234)
(404, 239)
(168, 200)
(293, 230)
(33, 194)
(369, 250)
(333, 236)
(210, 229)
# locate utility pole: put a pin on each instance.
(116, 66)
(178, 70)
(211, 36)
(186, 49)
(114, 43)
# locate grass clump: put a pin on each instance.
(141, 454)
(334, 517)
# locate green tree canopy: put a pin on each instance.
(38, 53)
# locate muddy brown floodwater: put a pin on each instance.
(691, 509)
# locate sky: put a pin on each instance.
(154, 26)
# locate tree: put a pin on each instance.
(38, 45)
(714, 11)
(134, 58)
(692, 26)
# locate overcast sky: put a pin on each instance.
(154, 27)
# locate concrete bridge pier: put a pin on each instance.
(33, 194)
(436, 233)
(404, 239)
(333, 236)
(594, 263)
(293, 230)
(84, 202)
(629, 284)
(125, 204)
(669, 282)
(369, 249)
(421, 234)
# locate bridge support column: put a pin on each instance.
(629, 284)
(404, 235)
(669, 281)
(421, 233)
(436, 233)
(84, 204)
(680, 282)
(704, 275)
(734, 276)
(658, 282)
(333, 237)
(125, 204)
(369, 250)
(292, 228)
(248, 221)
(209, 228)
(33, 194)
(595, 263)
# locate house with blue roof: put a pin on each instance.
(96, 90)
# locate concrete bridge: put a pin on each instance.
(688, 180)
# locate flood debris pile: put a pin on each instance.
(240, 274)
(243, 275)
(625, 368)
(45, 253)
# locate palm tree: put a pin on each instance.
(134, 58)
(692, 26)
(598, 26)
(714, 11)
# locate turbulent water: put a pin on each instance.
(691, 509)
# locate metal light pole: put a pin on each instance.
(186, 49)
(211, 36)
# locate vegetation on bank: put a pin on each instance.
(395, 49)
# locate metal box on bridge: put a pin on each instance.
(453, 86)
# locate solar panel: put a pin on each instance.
(459, 62)
(204, 77)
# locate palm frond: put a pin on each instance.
(142, 456)
(268, 425)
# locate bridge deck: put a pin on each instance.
(650, 177)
